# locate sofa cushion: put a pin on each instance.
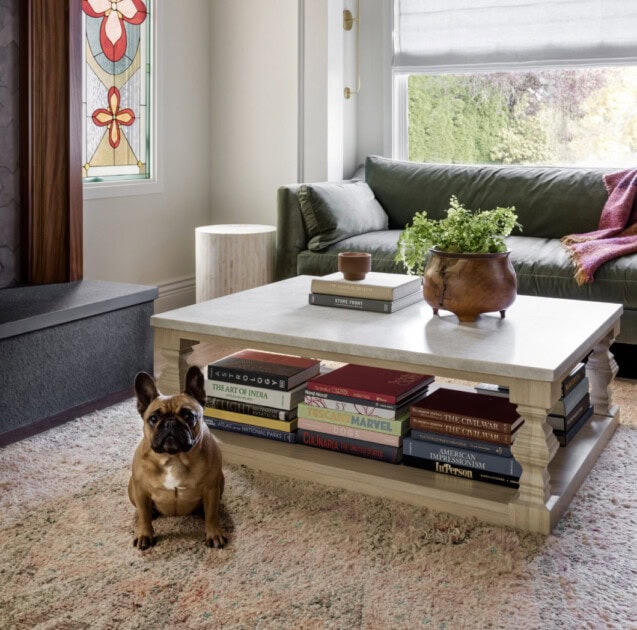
(334, 211)
(550, 202)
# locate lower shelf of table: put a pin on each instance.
(463, 497)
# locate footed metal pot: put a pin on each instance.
(469, 284)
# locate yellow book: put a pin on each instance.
(255, 421)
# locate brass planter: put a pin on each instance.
(469, 284)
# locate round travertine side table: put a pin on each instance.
(233, 257)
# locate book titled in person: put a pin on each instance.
(467, 409)
(264, 369)
(370, 383)
(375, 286)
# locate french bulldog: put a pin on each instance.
(177, 465)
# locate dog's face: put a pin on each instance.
(172, 424)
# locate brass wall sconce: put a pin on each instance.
(348, 25)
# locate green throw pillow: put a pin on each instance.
(334, 211)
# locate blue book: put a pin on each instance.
(462, 457)
(250, 429)
(460, 442)
(564, 437)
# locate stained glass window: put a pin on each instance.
(116, 90)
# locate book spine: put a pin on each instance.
(356, 421)
(250, 409)
(566, 404)
(357, 304)
(255, 395)
(313, 386)
(350, 399)
(351, 406)
(370, 450)
(462, 457)
(564, 437)
(243, 418)
(563, 423)
(249, 429)
(349, 432)
(459, 442)
(352, 290)
(467, 421)
(573, 378)
(256, 378)
(439, 426)
(461, 471)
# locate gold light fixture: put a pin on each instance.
(348, 25)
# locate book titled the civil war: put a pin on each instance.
(264, 369)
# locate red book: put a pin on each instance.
(468, 409)
(370, 383)
(264, 369)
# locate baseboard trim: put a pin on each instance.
(175, 294)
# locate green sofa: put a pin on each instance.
(317, 221)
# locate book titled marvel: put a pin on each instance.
(370, 383)
(264, 369)
(370, 450)
(480, 411)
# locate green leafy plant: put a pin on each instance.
(461, 231)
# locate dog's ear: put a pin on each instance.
(146, 391)
(195, 386)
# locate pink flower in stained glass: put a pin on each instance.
(113, 117)
(113, 29)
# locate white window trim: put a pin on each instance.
(154, 184)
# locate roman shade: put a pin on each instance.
(431, 34)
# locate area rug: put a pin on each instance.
(300, 555)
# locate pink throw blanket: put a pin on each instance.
(617, 232)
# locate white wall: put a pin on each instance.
(229, 127)
(149, 239)
(253, 107)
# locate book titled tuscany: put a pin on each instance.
(264, 369)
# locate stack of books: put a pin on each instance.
(464, 434)
(360, 410)
(257, 393)
(378, 292)
(570, 413)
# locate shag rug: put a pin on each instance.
(300, 555)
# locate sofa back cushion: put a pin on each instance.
(333, 211)
(550, 202)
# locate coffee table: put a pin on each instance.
(531, 350)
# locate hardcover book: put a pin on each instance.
(564, 437)
(460, 471)
(350, 432)
(365, 304)
(370, 383)
(357, 405)
(357, 421)
(250, 409)
(462, 457)
(264, 369)
(375, 286)
(256, 395)
(243, 418)
(460, 442)
(481, 411)
(574, 377)
(564, 423)
(459, 430)
(566, 404)
(370, 450)
(249, 429)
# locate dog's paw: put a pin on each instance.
(216, 540)
(144, 542)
